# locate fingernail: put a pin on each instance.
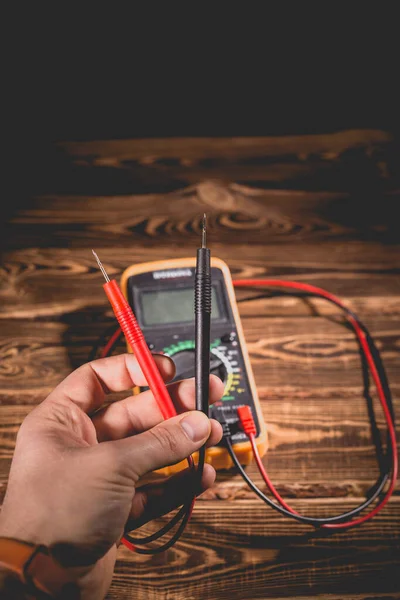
(196, 426)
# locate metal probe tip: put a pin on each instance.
(203, 232)
(102, 269)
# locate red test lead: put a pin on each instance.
(136, 341)
(135, 338)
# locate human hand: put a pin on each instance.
(76, 464)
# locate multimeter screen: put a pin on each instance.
(160, 307)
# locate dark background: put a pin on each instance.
(295, 200)
(165, 72)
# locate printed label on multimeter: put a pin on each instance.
(163, 302)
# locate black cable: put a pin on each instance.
(380, 483)
(170, 542)
(202, 309)
(381, 371)
(316, 522)
(167, 527)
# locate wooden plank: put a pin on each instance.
(292, 351)
(328, 161)
(118, 151)
(236, 214)
(49, 282)
(273, 558)
(288, 306)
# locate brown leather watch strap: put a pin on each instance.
(37, 569)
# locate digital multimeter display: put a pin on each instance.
(160, 307)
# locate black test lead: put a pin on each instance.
(202, 307)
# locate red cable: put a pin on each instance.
(110, 344)
(128, 545)
(371, 363)
(266, 478)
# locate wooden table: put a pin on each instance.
(318, 209)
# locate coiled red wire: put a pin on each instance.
(310, 289)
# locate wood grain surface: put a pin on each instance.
(319, 209)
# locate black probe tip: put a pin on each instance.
(203, 232)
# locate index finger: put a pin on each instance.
(88, 385)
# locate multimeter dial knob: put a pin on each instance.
(184, 364)
(218, 368)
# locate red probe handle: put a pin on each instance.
(135, 338)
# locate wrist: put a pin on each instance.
(38, 572)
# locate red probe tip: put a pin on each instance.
(102, 269)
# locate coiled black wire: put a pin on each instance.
(384, 461)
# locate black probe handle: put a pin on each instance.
(202, 303)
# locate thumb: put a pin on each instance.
(166, 444)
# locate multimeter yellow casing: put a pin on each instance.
(162, 298)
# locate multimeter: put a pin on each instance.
(161, 296)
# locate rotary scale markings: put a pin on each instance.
(232, 371)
